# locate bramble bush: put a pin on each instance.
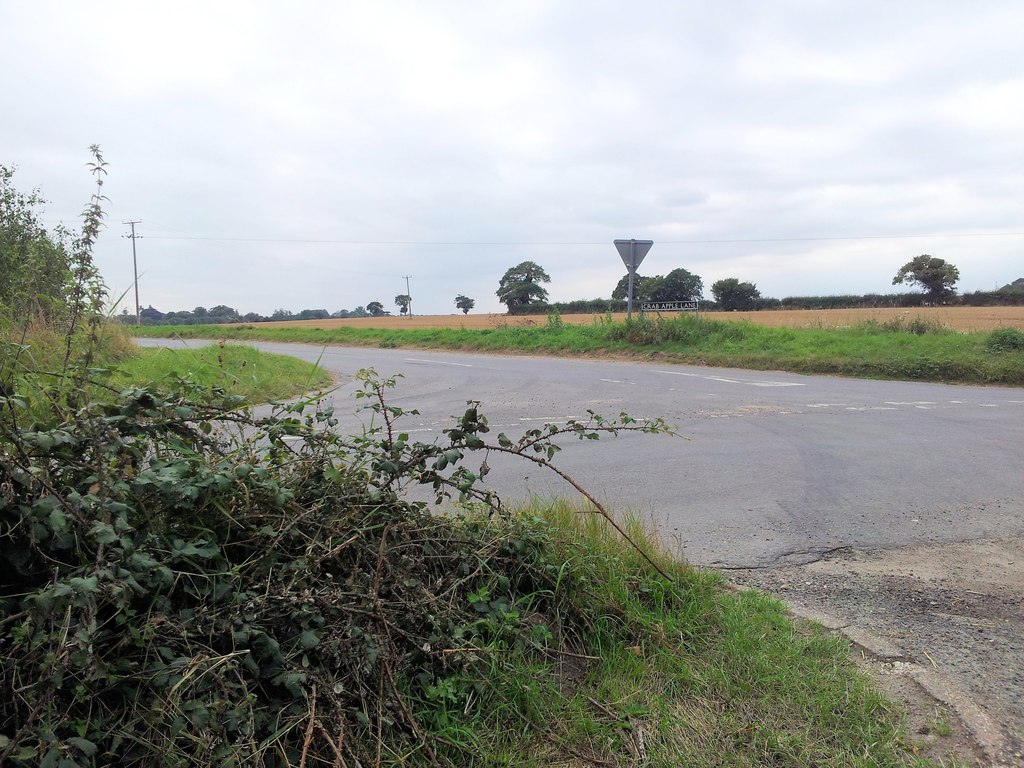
(185, 584)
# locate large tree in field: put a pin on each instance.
(375, 308)
(520, 286)
(677, 285)
(464, 303)
(731, 294)
(937, 276)
(621, 291)
(403, 300)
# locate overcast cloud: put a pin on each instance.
(311, 154)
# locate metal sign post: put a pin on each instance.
(632, 253)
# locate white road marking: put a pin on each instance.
(617, 381)
(733, 381)
(918, 403)
(870, 408)
(437, 362)
(826, 405)
(988, 405)
(548, 419)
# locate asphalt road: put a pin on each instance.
(777, 469)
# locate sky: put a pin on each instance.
(313, 154)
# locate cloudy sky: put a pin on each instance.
(311, 154)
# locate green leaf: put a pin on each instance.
(308, 640)
(103, 533)
(86, 584)
(58, 520)
(85, 746)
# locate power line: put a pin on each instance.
(582, 242)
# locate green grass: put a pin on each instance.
(669, 672)
(913, 351)
(239, 370)
(32, 362)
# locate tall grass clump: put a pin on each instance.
(1005, 340)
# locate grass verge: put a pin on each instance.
(244, 371)
(914, 350)
(32, 359)
(665, 673)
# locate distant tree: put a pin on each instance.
(184, 317)
(650, 289)
(253, 317)
(937, 276)
(376, 309)
(282, 314)
(151, 314)
(622, 287)
(403, 300)
(359, 312)
(520, 286)
(677, 285)
(223, 314)
(464, 303)
(731, 294)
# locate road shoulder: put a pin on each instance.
(940, 627)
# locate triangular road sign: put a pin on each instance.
(633, 252)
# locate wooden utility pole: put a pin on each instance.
(135, 268)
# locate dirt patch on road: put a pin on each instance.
(949, 616)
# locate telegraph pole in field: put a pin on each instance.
(407, 292)
(135, 268)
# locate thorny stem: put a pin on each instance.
(542, 462)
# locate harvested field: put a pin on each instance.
(957, 318)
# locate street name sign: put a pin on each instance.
(670, 306)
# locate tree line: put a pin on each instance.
(522, 291)
(225, 314)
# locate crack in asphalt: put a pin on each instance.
(813, 555)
